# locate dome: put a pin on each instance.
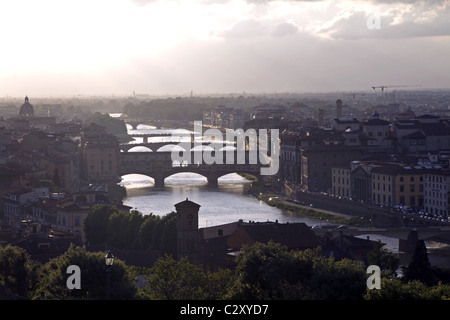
(26, 110)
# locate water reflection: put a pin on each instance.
(227, 203)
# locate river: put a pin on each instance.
(227, 203)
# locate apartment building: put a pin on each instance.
(437, 193)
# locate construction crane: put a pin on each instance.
(354, 95)
(392, 86)
(385, 87)
(384, 96)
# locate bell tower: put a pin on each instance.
(187, 230)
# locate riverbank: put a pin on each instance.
(263, 191)
(326, 216)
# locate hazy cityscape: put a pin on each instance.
(255, 150)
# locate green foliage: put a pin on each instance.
(264, 271)
(131, 230)
(53, 277)
(383, 258)
(270, 271)
(18, 273)
(170, 279)
(396, 289)
(338, 280)
(419, 268)
(95, 224)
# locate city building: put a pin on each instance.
(346, 124)
(341, 186)
(423, 134)
(317, 161)
(99, 154)
(225, 117)
(377, 134)
(16, 205)
(290, 157)
(386, 184)
(437, 193)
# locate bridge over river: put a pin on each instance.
(160, 165)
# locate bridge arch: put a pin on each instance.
(202, 148)
(188, 177)
(140, 149)
(170, 148)
(136, 180)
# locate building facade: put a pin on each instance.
(100, 154)
(437, 193)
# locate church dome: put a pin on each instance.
(26, 110)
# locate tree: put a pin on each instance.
(343, 279)
(419, 268)
(52, 283)
(383, 258)
(96, 223)
(147, 231)
(169, 279)
(395, 289)
(165, 237)
(269, 271)
(18, 272)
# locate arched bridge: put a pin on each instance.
(159, 165)
(154, 146)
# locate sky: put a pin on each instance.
(160, 47)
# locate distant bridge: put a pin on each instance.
(159, 165)
(155, 146)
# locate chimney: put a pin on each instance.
(338, 108)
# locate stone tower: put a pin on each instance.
(187, 230)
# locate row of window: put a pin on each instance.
(412, 188)
(434, 178)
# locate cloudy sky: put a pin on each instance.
(55, 47)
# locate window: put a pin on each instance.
(77, 222)
(402, 188)
(412, 188)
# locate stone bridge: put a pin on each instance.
(155, 146)
(159, 165)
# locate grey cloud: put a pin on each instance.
(284, 29)
(246, 29)
(423, 20)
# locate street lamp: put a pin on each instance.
(109, 260)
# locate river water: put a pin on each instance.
(225, 204)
